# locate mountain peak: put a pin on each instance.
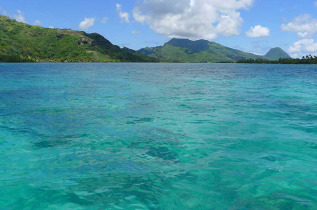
(276, 53)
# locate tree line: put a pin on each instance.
(14, 59)
(308, 59)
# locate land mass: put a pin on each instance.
(203, 51)
(276, 54)
(200, 51)
(20, 42)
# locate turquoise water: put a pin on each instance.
(158, 136)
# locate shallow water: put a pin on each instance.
(158, 136)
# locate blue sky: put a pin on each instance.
(249, 25)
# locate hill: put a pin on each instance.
(23, 42)
(200, 51)
(276, 53)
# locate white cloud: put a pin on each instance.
(104, 20)
(135, 32)
(228, 24)
(258, 31)
(303, 23)
(51, 27)
(304, 47)
(123, 15)
(38, 23)
(19, 16)
(306, 28)
(193, 19)
(87, 23)
(302, 34)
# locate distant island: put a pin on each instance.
(203, 51)
(22, 42)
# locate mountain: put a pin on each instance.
(276, 53)
(23, 42)
(200, 51)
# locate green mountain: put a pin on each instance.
(23, 42)
(201, 51)
(276, 53)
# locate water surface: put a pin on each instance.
(158, 136)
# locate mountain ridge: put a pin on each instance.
(200, 51)
(21, 42)
(24, 42)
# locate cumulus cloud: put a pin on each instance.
(303, 47)
(258, 31)
(37, 23)
(306, 28)
(229, 24)
(19, 17)
(87, 23)
(303, 23)
(104, 20)
(193, 19)
(123, 15)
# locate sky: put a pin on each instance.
(250, 25)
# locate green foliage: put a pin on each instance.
(14, 59)
(276, 53)
(21, 42)
(201, 51)
(309, 59)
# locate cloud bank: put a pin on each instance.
(306, 28)
(303, 23)
(193, 19)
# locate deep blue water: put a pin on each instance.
(158, 136)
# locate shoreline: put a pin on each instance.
(153, 63)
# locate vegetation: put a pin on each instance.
(309, 59)
(276, 54)
(14, 59)
(20, 42)
(201, 51)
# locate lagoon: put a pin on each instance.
(158, 136)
